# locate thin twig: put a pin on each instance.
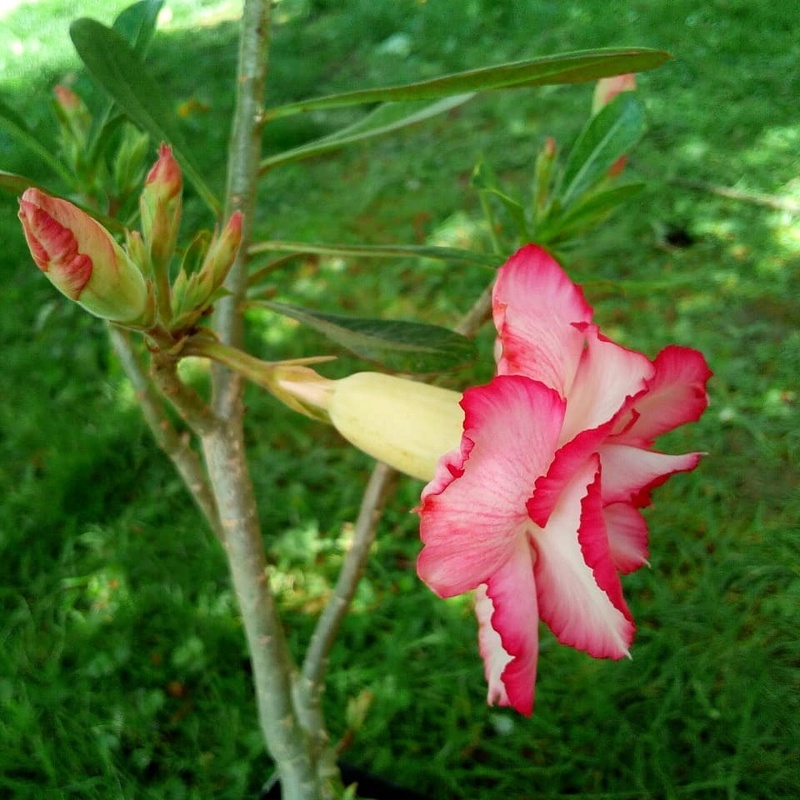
(187, 401)
(310, 683)
(753, 198)
(175, 445)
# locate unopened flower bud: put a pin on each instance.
(604, 92)
(608, 88)
(83, 261)
(405, 424)
(73, 113)
(223, 249)
(160, 205)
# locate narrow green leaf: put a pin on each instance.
(578, 67)
(117, 68)
(398, 345)
(137, 24)
(378, 251)
(588, 212)
(18, 128)
(608, 135)
(17, 184)
(387, 118)
(485, 180)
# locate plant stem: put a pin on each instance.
(175, 445)
(310, 686)
(223, 445)
(269, 652)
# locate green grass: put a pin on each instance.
(123, 671)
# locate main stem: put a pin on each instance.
(223, 446)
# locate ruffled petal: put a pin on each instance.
(608, 375)
(535, 305)
(630, 473)
(627, 536)
(474, 509)
(495, 658)
(569, 458)
(509, 631)
(675, 395)
(579, 593)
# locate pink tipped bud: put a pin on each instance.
(67, 99)
(223, 249)
(74, 116)
(608, 88)
(165, 180)
(82, 259)
(605, 91)
(160, 205)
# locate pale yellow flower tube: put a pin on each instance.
(405, 424)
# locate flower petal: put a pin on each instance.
(627, 536)
(580, 596)
(509, 631)
(608, 374)
(495, 658)
(675, 395)
(474, 509)
(535, 305)
(630, 473)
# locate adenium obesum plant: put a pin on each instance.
(536, 480)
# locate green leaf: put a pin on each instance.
(118, 69)
(578, 67)
(387, 118)
(137, 24)
(397, 345)
(379, 251)
(485, 180)
(588, 212)
(608, 135)
(18, 128)
(17, 184)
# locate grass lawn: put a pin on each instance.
(123, 671)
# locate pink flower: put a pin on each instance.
(538, 509)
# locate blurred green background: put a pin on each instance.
(123, 671)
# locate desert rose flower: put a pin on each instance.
(537, 480)
(83, 261)
(537, 510)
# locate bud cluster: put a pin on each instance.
(130, 285)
